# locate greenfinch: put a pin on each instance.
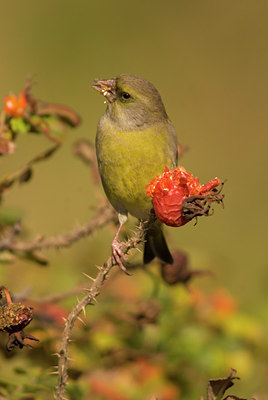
(135, 141)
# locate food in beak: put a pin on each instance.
(107, 87)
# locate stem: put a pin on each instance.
(92, 292)
(101, 218)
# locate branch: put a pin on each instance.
(85, 150)
(103, 215)
(51, 298)
(92, 292)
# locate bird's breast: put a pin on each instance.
(128, 161)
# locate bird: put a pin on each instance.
(135, 142)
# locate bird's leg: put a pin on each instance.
(117, 253)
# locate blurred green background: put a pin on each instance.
(208, 59)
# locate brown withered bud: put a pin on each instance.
(179, 271)
(148, 312)
(14, 317)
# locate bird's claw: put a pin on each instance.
(118, 256)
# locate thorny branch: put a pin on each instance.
(92, 292)
(103, 216)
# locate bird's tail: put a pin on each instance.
(155, 245)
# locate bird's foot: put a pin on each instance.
(118, 256)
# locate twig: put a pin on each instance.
(55, 298)
(85, 150)
(103, 215)
(92, 293)
(24, 174)
(51, 298)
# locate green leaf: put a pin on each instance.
(67, 114)
(9, 216)
(19, 125)
(56, 128)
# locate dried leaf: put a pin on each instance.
(26, 175)
(217, 387)
(36, 257)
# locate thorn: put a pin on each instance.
(86, 289)
(80, 319)
(94, 299)
(56, 354)
(70, 359)
(53, 373)
(99, 267)
(89, 277)
(64, 319)
(84, 311)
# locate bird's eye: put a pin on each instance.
(125, 96)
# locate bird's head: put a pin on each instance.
(132, 102)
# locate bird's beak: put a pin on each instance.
(107, 87)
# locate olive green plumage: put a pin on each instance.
(135, 141)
